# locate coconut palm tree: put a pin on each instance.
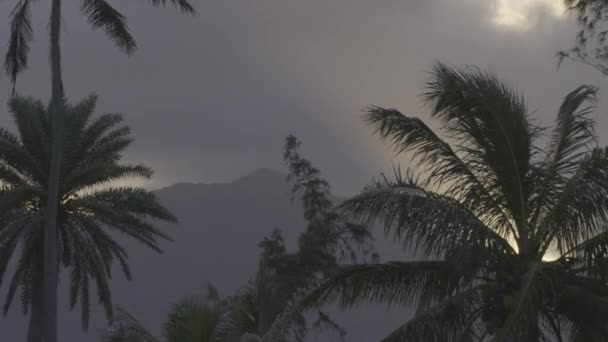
(198, 318)
(101, 15)
(509, 218)
(91, 210)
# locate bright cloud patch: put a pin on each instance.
(521, 15)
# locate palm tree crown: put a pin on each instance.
(485, 207)
(92, 211)
(196, 318)
(99, 13)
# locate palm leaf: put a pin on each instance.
(422, 218)
(445, 168)
(183, 5)
(16, 58)
(103, 16)
(574, 134)
(195, 318)
(490, 124)
(581, 210)
(450, 320)
(126, 328)
(390, 283)
(528, 301)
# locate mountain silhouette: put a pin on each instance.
(216, 240)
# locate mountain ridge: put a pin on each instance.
(216, 240)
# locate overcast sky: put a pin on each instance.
(212, 97)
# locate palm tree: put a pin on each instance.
(196, 318)
(509, 218)
(101, 15)
(91, 210)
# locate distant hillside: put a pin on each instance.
(215, 240)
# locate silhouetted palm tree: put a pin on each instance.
(91, 209)
(193, 319)
(101, 15)
(491, 203)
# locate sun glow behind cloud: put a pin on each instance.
(521, 15)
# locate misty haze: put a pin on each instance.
(298, 171)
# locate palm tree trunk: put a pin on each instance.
(533, 332)
(34, 333)
(50, 277)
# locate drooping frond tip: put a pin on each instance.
(183, 5)
(105, 17)
(21, 35)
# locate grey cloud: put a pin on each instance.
(212, 97)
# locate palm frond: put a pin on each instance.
(445, 168)
(89, 263)
(194, 318)
(126, 328)
(129, 225)
(283, 326)
(527, 304)
(100, 126)
(574, 134)
(451, 320)
(131, 200)
(103, 16)
(183, 5)
(19, 197)
(584, 311)
(572, 139)
(15, 157)
(101, 173)
(390, 283)
(490, 125)
(27, 113)
(109, 147)
(581, 210)
(16, 58)
(591, 255)
(102, 241)
(22, 275)
(78, 116)
(422, 219)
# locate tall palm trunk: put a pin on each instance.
(34, 333)
(50, 235)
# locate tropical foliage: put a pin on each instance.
(265, 310)
(99, 13)
(590, 47)
(195, 318)
(510, 218)
(284, 277)
(92, 210)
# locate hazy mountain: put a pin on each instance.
(215, 240)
